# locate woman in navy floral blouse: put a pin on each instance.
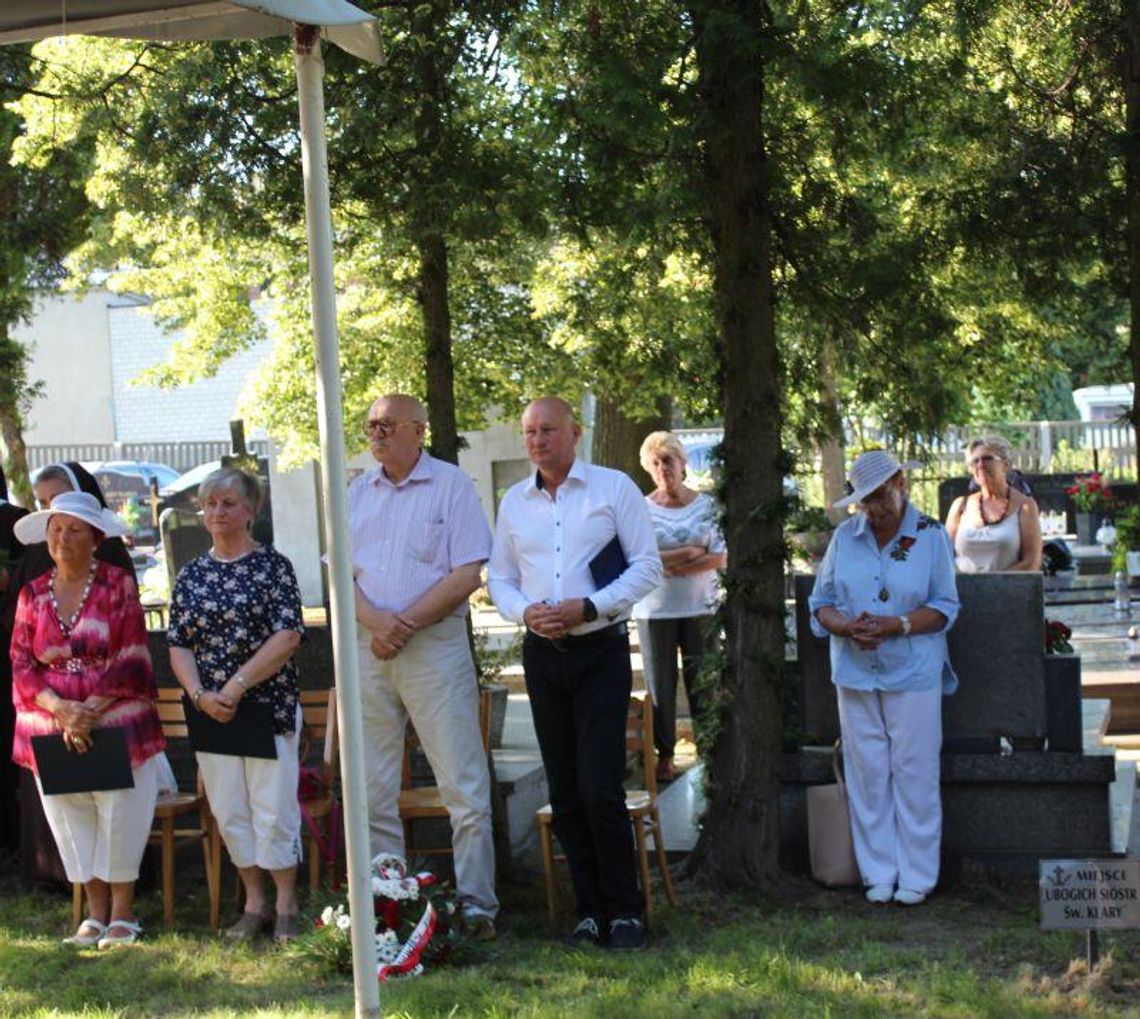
(235, 621)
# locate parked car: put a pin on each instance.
(704, 465)
(164, 474)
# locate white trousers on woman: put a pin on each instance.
(102, 835)
(254, 801)
(432, 681)
(891, 748)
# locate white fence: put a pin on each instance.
(182, 456)
(1041, 447)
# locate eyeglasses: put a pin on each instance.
(983, 458)
(384, 425)
(880, 495)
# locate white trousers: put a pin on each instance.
(103, 834)
(891, 748)
(254, 801)
(432, 680)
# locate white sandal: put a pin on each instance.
(95, 930)
(134, 932)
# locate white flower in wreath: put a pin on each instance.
(389, 878)
(387, 946)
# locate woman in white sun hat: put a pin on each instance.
(885, 593)
(80, 665)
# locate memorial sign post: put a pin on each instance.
(1090, 895)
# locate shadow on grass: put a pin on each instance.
(970, 951)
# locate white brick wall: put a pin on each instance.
(146, 413)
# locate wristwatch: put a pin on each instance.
(589, 610)
(905, 620)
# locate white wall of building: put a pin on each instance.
(88, 349)
(1103, 403)
(68, 341)
(190, 413)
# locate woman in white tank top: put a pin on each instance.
(997, 527)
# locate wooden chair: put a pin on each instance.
(169, 808)
(641, 804)
(318, 711)
(421, 802)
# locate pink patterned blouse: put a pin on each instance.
(105, 655)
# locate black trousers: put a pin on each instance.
(579, 697)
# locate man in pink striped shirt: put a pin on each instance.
(419, 541)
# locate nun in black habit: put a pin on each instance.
(10, 553)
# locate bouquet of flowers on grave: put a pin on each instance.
(1057, 636)
(414, 924)
(1091, 493)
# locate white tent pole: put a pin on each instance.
(334, 490)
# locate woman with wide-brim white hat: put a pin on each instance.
(80, 664)
(886, 595)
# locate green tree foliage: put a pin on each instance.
(436, 209)
(43, 213)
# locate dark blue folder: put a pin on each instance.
(609, 564)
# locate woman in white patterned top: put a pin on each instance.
(676, 616)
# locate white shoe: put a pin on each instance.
(880, 893)
(88, 933)
(908, 898)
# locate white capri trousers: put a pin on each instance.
(102, 835)
(432, 680)
(892, 743)
(254, 801)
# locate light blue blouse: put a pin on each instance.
(914, 569)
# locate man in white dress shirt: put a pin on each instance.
(576, 653)
(419, 540)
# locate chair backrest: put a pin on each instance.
(171, 713)
(412, 742)
(639, 736)
(318, 710)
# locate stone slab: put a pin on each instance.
(1014, 808)
(996, 647)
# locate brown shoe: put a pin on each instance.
(665, 772)
(248, 927)
(479, 927)
(287, 928)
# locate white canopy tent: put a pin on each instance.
(354, 31)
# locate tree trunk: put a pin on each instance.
(740, 839)
(12, 376)
(617, 438)
(429, 217)
(1131, 62)
(439, 368)
(832, 451)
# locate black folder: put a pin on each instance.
(248, 734)
(609, 564)
(105, 765)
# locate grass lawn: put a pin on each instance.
(973, 950)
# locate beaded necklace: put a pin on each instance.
(982, 509)
(67, 625)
